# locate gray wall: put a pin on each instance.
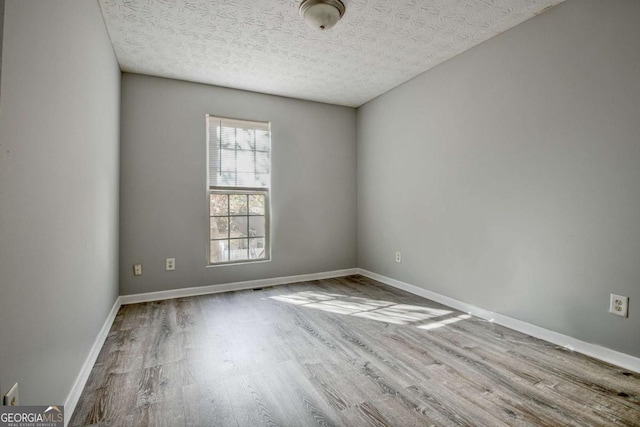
(163, 192)
(509, 176)
(1, 34)
(59, 138)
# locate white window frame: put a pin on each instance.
(240, 191)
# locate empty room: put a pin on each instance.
(320, 212)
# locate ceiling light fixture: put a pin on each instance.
(321, 14)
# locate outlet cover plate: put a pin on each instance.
(137, 269)
(619, 305)
(170, 264)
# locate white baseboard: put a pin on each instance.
(76, 390)
(602, 353)
(228, 287)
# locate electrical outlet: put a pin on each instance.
(398, 257)
(11, 398)
(137, 269)
(171, 264)
(619, 305)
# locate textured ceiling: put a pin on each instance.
(264, 45)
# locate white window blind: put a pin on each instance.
(238, 153)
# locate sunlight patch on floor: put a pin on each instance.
(382, 311)
(441, 323)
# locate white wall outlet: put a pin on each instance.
(11, 398)
(619, 305)
(137, 269)
(170, 264)
(398, 257)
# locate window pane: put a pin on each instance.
(245, 161)
(228, 137)
(256, 204)
(247, 179)
(239, 249)
(228, 163)
(219, 228)
(257, 248)
(238, 226)
(262, 140)
(227, 179)
(238, 204)
(262, 180)
(218, 204)
(219, 251)
(223, 179)
(245, 139)
(256, 226)
(262, 162)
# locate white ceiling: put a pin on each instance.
(264, 45)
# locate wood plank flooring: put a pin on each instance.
(340, 352)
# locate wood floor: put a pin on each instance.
(341, 352)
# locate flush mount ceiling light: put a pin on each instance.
(321, 14)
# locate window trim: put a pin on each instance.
(237, 190)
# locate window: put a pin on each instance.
(238, 180)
